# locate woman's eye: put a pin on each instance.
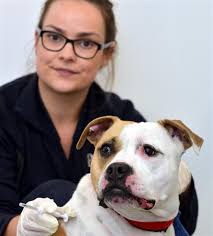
(54, 37)
(86, 43)
(106, 150)
(150, 151)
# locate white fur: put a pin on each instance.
(93, 220)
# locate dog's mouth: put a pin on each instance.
(120, 195)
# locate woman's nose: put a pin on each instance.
(68, 53)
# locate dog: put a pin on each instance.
(134, 184)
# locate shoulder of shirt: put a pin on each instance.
(110, 103)
(106, 98)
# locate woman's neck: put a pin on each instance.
(62, 108)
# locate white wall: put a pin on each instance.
(164, 66)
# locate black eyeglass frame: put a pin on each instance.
(72, 41)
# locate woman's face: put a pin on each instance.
(63, 71)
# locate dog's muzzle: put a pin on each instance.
(116, 189)
(116, 175)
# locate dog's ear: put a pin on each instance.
(176, 128)
(184, 177)
(95, 129)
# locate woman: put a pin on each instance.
(43, 114)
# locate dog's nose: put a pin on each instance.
(118, 172)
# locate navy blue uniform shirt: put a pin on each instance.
(30, 149)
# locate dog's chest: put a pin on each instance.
(93, 220)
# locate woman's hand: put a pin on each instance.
(32, 223)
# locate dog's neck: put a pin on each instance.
(151, 226)
(147, 226)
(154, 226)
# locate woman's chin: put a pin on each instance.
(68, 89)
(61, 86)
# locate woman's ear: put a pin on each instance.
(36, 39)
(108, 54)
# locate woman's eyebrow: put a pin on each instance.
(56, 28)
(86, 34)
(80, 34)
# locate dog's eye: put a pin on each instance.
(150, 150)
(106, 150)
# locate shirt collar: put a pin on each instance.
(31, 108)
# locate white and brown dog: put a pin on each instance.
(133, 186)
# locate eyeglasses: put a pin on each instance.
(83, 48)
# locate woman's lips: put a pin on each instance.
(65, 72)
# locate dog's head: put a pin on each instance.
(135, 166)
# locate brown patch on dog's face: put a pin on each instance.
(105, 150)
